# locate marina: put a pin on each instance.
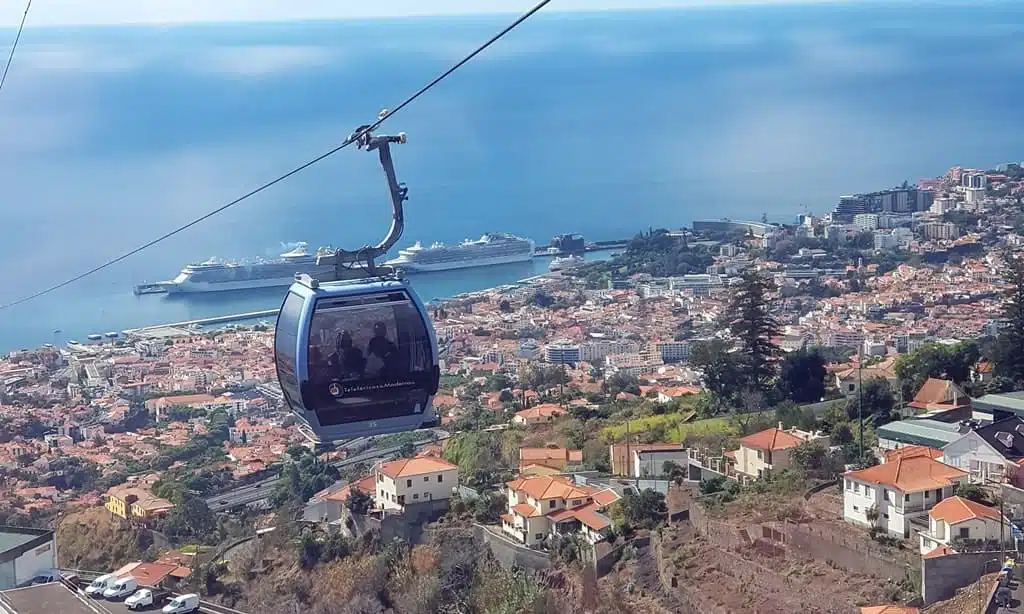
(187, 327)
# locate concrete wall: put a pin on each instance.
(856, 556)
(39, 558)
(942, 576)
(409, 524)
(510, 554)
(811, 542)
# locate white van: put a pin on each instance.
(121, 588)
(182, 604)
(99, 585)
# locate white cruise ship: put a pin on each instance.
(491, 248)
(562, 263)
(215, 276)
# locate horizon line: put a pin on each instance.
(553, 12)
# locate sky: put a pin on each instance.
(113, 12)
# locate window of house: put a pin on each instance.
(906, 498)
(856, 509)
(852, 387)
(760, 455)
(576, 502)
(926, 493)
(416, 496)
(886, 516)
(439, 480)
(408, 483)
(551, 504)
(426, 478)
(538, 536)
(965, 532)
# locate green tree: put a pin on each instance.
(1009, 358)
(646, 509)
(877, 398)
(802, 376)
(952, 362)
(498, 382)
(754, 326)
(359, 502)
(721, 370)
(621, 382)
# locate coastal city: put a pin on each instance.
(825, 415)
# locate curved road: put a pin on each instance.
(261, 490)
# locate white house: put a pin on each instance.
(959, 518)
(539, 506)
(990, 453)
(893, 494)
(413, 480)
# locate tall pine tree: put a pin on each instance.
(753, 325)
(1010, 345)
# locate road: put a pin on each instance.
(261, 490)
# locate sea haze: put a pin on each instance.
(603, 124)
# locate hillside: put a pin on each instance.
(91, 539)
(450, 572)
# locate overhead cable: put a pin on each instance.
(353, 138)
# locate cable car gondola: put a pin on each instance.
(357, 355)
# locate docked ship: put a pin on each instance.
(492, 248)
(216, 276)
(562, 263)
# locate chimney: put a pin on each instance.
(780, 426)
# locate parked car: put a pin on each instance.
(182, 604)
(96, 588)
(121, 588)
(145, 598)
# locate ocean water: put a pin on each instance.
(603, 124)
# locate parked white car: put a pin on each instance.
(182, 604)
(96, 588)
(121, 588)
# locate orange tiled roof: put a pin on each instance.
(538, 455)
(940, 394)
(771, 439)
(888, 609)
(586, 514)
(550, 487)
(911, 452)
(544, 410)
(957, 509)
(605, 497)
(527, 510)
(415, 466)
(366, 484)
(912, 474)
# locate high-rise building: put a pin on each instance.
(974, 180)
(940, 230)
(895, 200)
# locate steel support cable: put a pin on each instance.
(17, 38)
(355, 137)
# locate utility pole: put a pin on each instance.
(860, 397)
(629, 459)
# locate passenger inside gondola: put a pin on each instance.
(347, 362)
(383, 350)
